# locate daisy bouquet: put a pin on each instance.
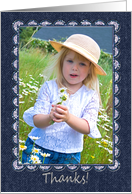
(62, 96)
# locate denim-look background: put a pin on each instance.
(26, 181)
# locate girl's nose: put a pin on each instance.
(75, 66)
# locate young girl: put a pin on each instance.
(59, 128)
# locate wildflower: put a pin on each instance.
(34, 138)
(100, 146)
(48, 155)
(92, 157)
(98, 142)
(35, 159)
(21, 102)
(20, 96)
(110, 160)
(104, 143)
(23, 84)
(25, 92)
(35, 88)
(110, 151)
(29, 85)
(107, 136)
(61, 97)
(22, 147)
(64, 97)
(62, 90)
(21, 141)
(99, 113)
(45, 155)
(36, 150)
(40, 75)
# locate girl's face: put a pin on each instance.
(75, 70)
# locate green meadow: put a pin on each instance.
(32, 61)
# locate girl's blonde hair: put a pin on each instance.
(54, 71)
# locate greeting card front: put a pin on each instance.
(61, 157)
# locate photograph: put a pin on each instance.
(66, 95)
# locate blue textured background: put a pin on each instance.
(25, 181)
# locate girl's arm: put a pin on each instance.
(62, 115)
(44, 120)
(78, 124)
(41, 120)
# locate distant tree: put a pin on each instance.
(25, 34)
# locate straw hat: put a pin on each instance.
(85, 46)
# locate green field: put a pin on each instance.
(32, 62)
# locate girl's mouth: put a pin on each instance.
(73, 75)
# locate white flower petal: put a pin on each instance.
(34, 138)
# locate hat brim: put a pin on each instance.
(58, 46)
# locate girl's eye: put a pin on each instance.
(70, 61)
(82, 64)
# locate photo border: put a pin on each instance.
(116, 79)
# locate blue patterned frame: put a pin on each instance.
(116, 114)
(102, 178)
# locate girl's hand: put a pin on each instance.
(52, 112)
(60, 113)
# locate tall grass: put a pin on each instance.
(31, 65)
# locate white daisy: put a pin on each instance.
(35, 159)
(21, 141)
(36, 150)
(45, 155)
(34, 138)
(62, 90)
(22, 147)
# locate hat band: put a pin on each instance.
(80, 48)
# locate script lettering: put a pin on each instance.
(73, 179)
